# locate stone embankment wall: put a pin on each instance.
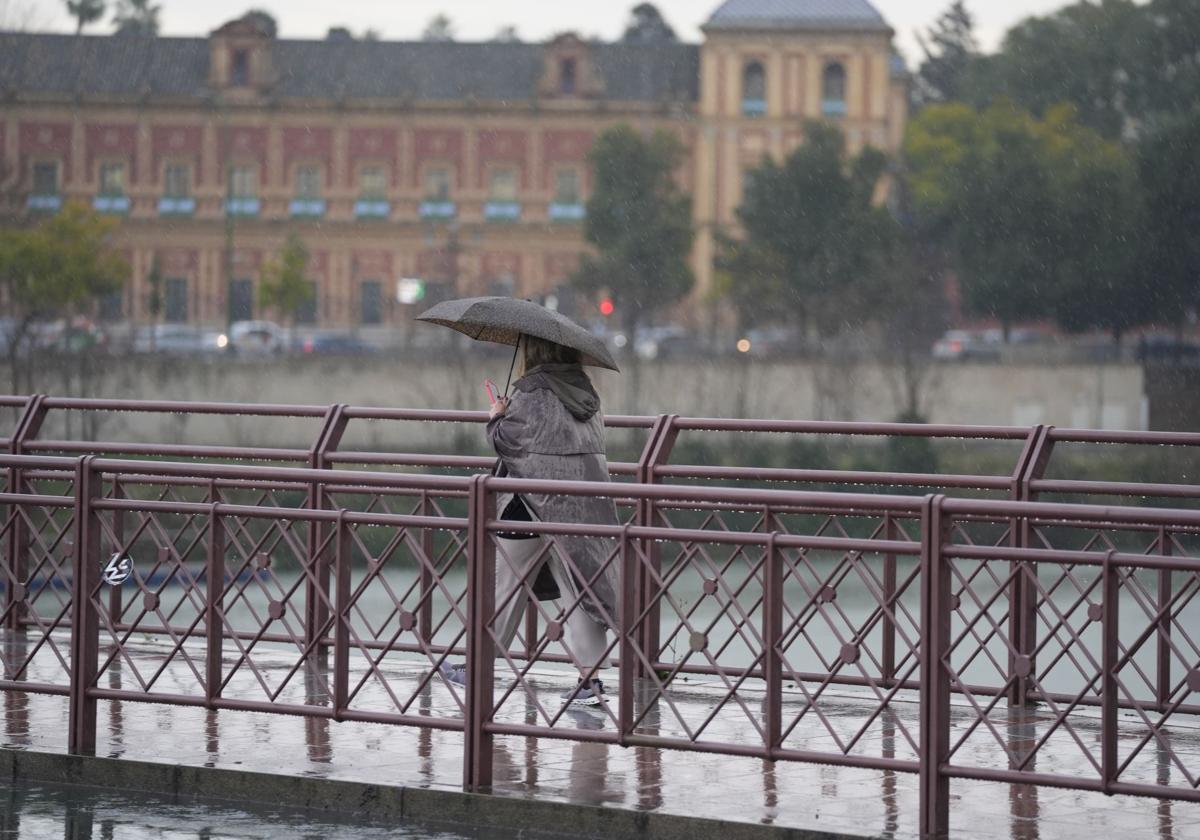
(1098, 396)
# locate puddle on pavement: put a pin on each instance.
(33, 811)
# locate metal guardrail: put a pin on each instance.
(345, 610)
(1026, 481)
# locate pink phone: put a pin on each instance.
(492, 390)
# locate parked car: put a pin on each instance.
(662, 343)
(666, 342)
(969, 345)
(180, 340)
(340, 344)
(257, 338)
(77, 335)
(1166, 348)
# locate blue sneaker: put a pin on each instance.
(585, 694)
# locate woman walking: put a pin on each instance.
(551, 428)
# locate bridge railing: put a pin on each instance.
(751, 622)
(1023, 459)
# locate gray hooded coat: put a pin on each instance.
(553, 430)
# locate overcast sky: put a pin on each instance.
(534, 19)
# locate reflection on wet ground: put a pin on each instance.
(842, 799)
(34, 811)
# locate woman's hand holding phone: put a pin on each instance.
(499, 404)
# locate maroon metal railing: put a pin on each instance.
(1025, 481)
(344, 602)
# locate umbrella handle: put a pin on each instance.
(513, 366)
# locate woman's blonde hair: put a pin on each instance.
(538, 352)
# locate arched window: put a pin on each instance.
(239, 73)
(833, 90)
(567, 76)
(754, 90)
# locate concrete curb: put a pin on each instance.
(342, 800)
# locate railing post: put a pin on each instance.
(657, 451)
(1023, 590)
(481, 645)
(1163, 675)
(888, 653)
(425, 611)
(118, 538)
(316, 588)
(772, 634)
(934, 810)
(631, 581)
(85, 618)
(28, 426)
(341, 638)
(214, 616)
(1109, 699)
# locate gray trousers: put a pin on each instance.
(519, 559)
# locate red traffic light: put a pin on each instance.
(606, 307)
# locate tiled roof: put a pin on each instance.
(797, 14)
(415, 71)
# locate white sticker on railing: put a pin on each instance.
(117, 570)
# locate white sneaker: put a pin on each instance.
(585, 694)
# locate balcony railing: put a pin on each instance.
(45, 203)
(438, 209)
(113, 204)
(568, 211)
(754, 107)
(502, 211)
(833, 107)
(243, 206)
(176, 206)
(307, 208)
(372, 208)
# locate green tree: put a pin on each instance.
(507, 34)
(1041, 216)
(136, 17)
(284, 286)
(1099, 276)
(1167, 162)
(640, 223)
(439, 29)
(1084, 54)
(950, 49)
(1167, 81)
(647, 26)
(85, 12)
(749, 280)
(51, 271)
(813, 221)
(982, 180)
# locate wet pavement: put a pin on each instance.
(836, 799)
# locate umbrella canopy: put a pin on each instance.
(502, 320)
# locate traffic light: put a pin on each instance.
(606, 307)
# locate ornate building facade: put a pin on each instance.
(463, 166)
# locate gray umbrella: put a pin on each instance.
(503, 320)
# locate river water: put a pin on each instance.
(831, 598)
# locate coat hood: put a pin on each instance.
(567, 382)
